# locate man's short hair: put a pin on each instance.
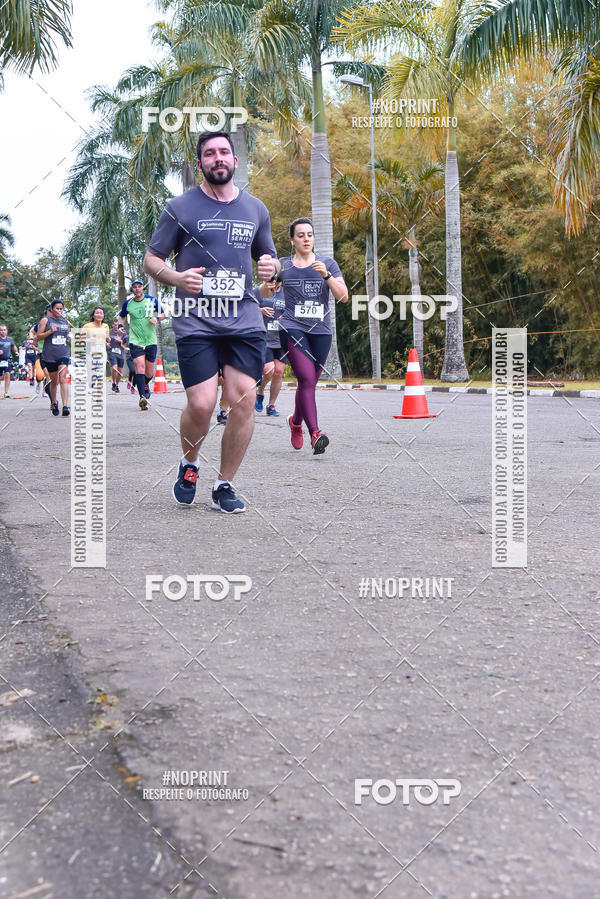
(208, 135)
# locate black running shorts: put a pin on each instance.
(201, 356)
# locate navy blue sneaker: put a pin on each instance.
(271, 410)
(184, 488)
(222, 417)
(147, 392)
(258, 405)
(225, 500)
(54, 408)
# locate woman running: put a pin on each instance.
(97, 327)
(306, 325)
(53, 329)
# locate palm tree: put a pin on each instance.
(29, 31)
(427, 37)
(298, 33)
(209, 61)
(119, 216)
(524, 30)
(7, 238)
(405, 197)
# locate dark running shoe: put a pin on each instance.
(258, 405)
(271, 410)
(54, 408)
(184, 488)
(319, 443)
(147, 392)
(66, 411)
(143, 403)
(225, 500)
(222, 417)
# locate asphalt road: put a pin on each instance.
(301, 685)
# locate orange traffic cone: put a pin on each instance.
(414, 404)
(68, 378)
(160, 383)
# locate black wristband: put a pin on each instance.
(328, 276)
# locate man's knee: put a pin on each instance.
(200, 404)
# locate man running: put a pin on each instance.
(116, 353)
(215, 231)
(30, 359)
(270, 297)
(142, 311)
(7, 346)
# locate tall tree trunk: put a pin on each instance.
(374, 339)
(455, 367)
(121, 289)
(188, 176)
(320, 192)
(414, 271)
(241, 151)
(240, 142)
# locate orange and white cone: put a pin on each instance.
(160, 382)
(68, 377)
(414, 404)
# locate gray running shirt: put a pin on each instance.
(222, 237)
(305, 292)
(277, 302)
(5, 350)
(116, 347)
(56, 346)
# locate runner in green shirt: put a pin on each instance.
(142, 312)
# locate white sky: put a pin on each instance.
(43, 117)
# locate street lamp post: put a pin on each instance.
(354, 79)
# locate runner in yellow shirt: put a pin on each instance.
(97, 326)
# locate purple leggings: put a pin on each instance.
(307, 354)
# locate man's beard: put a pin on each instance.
(223, 176)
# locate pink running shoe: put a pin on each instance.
(297, 438)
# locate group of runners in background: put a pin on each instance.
(227, 332)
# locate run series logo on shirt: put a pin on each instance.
(309, 288)
(239, 235)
